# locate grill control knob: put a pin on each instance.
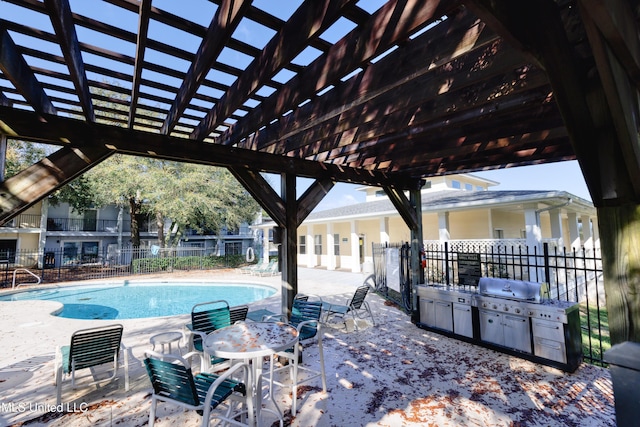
(495, 307)
(517, 310)
(506, 308)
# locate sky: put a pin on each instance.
(559, 176)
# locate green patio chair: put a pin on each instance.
(207, 317)
(357, 307)
(305, 317)
(90, 348)
(173, 382)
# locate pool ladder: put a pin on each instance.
(13, 285)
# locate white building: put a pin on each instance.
(454, 207)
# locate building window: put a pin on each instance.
(318, 244)
(498, 233)
(8, 250)
(456, 184)
(302, 244)
(80, 252)
(233, 248)
(479, 188)
(468, 187)
(336, 244)
(89, 252)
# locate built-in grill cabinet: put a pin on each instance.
(446, 309)
(506, 315)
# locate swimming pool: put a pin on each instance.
(128, 300)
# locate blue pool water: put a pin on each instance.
(139, 300)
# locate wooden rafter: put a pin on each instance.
(616, 72)
(16, 69)
(389, 25)
(537, 29)
(62, 21)
(223, 24)
(60, 130)
(141, 44)
(305, 25)
(37, 181)
(615, 21)
(379, 84)
(262, 192)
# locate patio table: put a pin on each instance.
(252, 341)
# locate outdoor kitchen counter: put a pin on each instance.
(527, 325)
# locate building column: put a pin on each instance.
(533, 239)
(574, 234)
(331, 253)
(311, 247)
(384, 230)
(586, 232)
(355, 248)
(443, 227)
(596, 234)
(532, 227)
(42, 242)
(555, 219)
(265, 244)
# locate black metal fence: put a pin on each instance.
(571, 275)
(19, 267)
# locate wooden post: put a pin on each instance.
(289, 243)
(620, 247)
(415, 199)
(3, 154)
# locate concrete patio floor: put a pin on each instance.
(390, 374)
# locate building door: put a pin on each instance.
(317, 248)
(90, 220)
(361, 248)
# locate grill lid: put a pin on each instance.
(512, 289)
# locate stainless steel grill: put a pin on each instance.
(505, 307)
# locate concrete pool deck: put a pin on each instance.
(390, 374)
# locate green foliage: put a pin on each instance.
(433, 272)
(595, 321)
(203, 198)
(22, 154)
(157, 264)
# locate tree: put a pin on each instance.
(203, 198)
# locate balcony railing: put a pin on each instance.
(24, 221)
(80, 224)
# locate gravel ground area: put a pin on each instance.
(388, 374)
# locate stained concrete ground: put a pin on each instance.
(388, 374)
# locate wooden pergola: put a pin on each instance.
(336, 91)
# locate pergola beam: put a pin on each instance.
(141, 44)
(65, 131)
(304, 25)
(388, 26)
(62, 21)
(224, 22)
(16, 69)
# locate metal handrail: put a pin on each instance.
(13, 285)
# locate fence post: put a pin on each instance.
(547, 267)
(446, 262)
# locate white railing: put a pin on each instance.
(15, 272)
